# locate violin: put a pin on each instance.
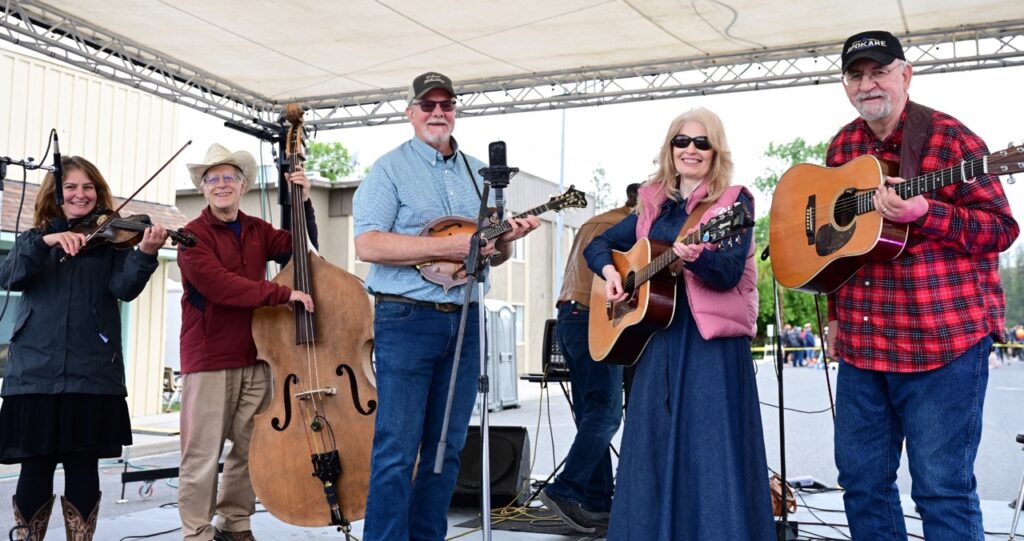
(105, 226)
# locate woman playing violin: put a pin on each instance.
(64, 390)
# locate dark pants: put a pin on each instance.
(587, 477)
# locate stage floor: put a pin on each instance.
(818, 516)
(551, 429)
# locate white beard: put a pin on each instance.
(874, 110)
(434, 138)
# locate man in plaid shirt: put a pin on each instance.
(913, 334)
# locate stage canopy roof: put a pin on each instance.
(350, 61)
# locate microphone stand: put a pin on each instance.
(784, 530)
(476, 268)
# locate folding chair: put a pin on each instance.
(172, 388)
(1020, 498)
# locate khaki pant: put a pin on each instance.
(218, 406)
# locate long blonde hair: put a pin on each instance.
(46, 207)
(720, 174)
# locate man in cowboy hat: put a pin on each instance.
(913, 334)
(416, 321)
(223, 277)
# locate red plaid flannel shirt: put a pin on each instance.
(942, 295)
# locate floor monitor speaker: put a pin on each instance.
(510, 467)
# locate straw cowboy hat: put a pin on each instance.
(218, 155)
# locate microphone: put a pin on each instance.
(498, 173)
(58, 172)
(497, 154)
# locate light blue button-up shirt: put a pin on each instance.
(406, 189)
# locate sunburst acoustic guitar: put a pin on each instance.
(619, 331)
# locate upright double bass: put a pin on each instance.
(310, 453)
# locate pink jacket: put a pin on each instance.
(718, 313)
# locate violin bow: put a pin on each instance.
(102, 219)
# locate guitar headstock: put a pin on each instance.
(571, 198)
(726, 225)
(1008, 161)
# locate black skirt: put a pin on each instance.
(38, 426)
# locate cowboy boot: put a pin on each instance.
(79, 528)
(35, 529)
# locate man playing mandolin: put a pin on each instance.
(913, 334)
(223, 385)
(416, 321)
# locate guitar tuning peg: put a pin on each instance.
(1011, 180)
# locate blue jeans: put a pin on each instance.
(938, 413)
(587, 477)
(414, 348)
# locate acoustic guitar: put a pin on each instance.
(824, 226)
(619, 331)
(447, 273)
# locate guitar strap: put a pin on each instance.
(694, 218)
(915, 135)
(691, 221)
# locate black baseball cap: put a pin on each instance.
(427, 82)
(878, 45)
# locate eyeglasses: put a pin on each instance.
(211, 180)
(701, 142)
(855, 78)
(427, 106)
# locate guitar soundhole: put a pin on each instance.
(625, 307)
(845, 209)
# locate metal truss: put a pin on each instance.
(960, 49)
(58, 35)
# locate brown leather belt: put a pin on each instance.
(445, 307)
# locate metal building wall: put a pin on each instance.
(127, 134)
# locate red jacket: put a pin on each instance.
(224, 279)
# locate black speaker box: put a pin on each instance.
(510, 467)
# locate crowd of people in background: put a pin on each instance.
(802, 346)
(1013, 348)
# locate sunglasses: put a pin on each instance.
(427, 106)
(701, 142)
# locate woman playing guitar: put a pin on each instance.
(692, 443)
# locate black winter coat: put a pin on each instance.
(67, 335)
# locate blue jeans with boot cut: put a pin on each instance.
(414, 348)
(938, 414)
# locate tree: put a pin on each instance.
(601, 191)
(331, 160)
(796, 307)
(1011, 270)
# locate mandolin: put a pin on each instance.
(449, 274)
